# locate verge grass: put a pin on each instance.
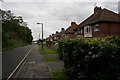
(47, 50)
(53, 59)
(12, 45)
(59, 75)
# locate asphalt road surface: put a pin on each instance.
(12, 58)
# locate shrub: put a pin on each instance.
(91, 58)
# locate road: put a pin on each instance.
(33, 65)
(12, 58)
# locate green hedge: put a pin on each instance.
(91, 58)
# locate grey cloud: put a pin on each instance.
(73, 11)
(111, 6)
(61, 0)
(54, 15)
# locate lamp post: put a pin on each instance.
(39, 36)
(42, 34)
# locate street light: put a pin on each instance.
(42, 34)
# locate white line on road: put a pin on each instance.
(19, 70)
(19, 64)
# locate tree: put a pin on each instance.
(14, 29)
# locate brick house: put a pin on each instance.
(57, 36)
(69, 33)
(50, 38)
(101, 23)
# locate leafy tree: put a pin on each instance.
(14, 30)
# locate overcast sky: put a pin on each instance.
(54, 14)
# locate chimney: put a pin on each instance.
(62, 29)
(97, 9)
(52, 34)
(56, 32)
(73, 24)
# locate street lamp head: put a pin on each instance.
(39, 23)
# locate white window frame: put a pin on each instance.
(88, 29)
(55, 37)
(96, 27)
(81, 31)
(85, 29)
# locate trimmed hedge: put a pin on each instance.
(91, 58)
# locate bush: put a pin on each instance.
(49, 43)
(91, 58)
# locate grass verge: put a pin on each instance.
(59, 75)
(53, 59)
(12, 45)
(47, 50)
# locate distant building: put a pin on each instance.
(57, 36)
(50, 38)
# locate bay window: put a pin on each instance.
(87, 29)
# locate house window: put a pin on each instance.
(79, 31)
(96, 27)
(55, 38)
(87, 29)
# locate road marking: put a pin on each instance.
(20, 69)
(19, 64)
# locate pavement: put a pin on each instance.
(34, 66)
(50, 55)
(54, 66)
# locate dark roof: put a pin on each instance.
(57, 34)
(102, 15)
(71, 28)
(52, 36)
(60, 33)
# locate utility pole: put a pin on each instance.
(39, 36)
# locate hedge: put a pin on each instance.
(91, 58)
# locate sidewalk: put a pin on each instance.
(53, 65)
(34, 66)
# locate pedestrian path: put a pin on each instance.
(53, 65)
(34, 66)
